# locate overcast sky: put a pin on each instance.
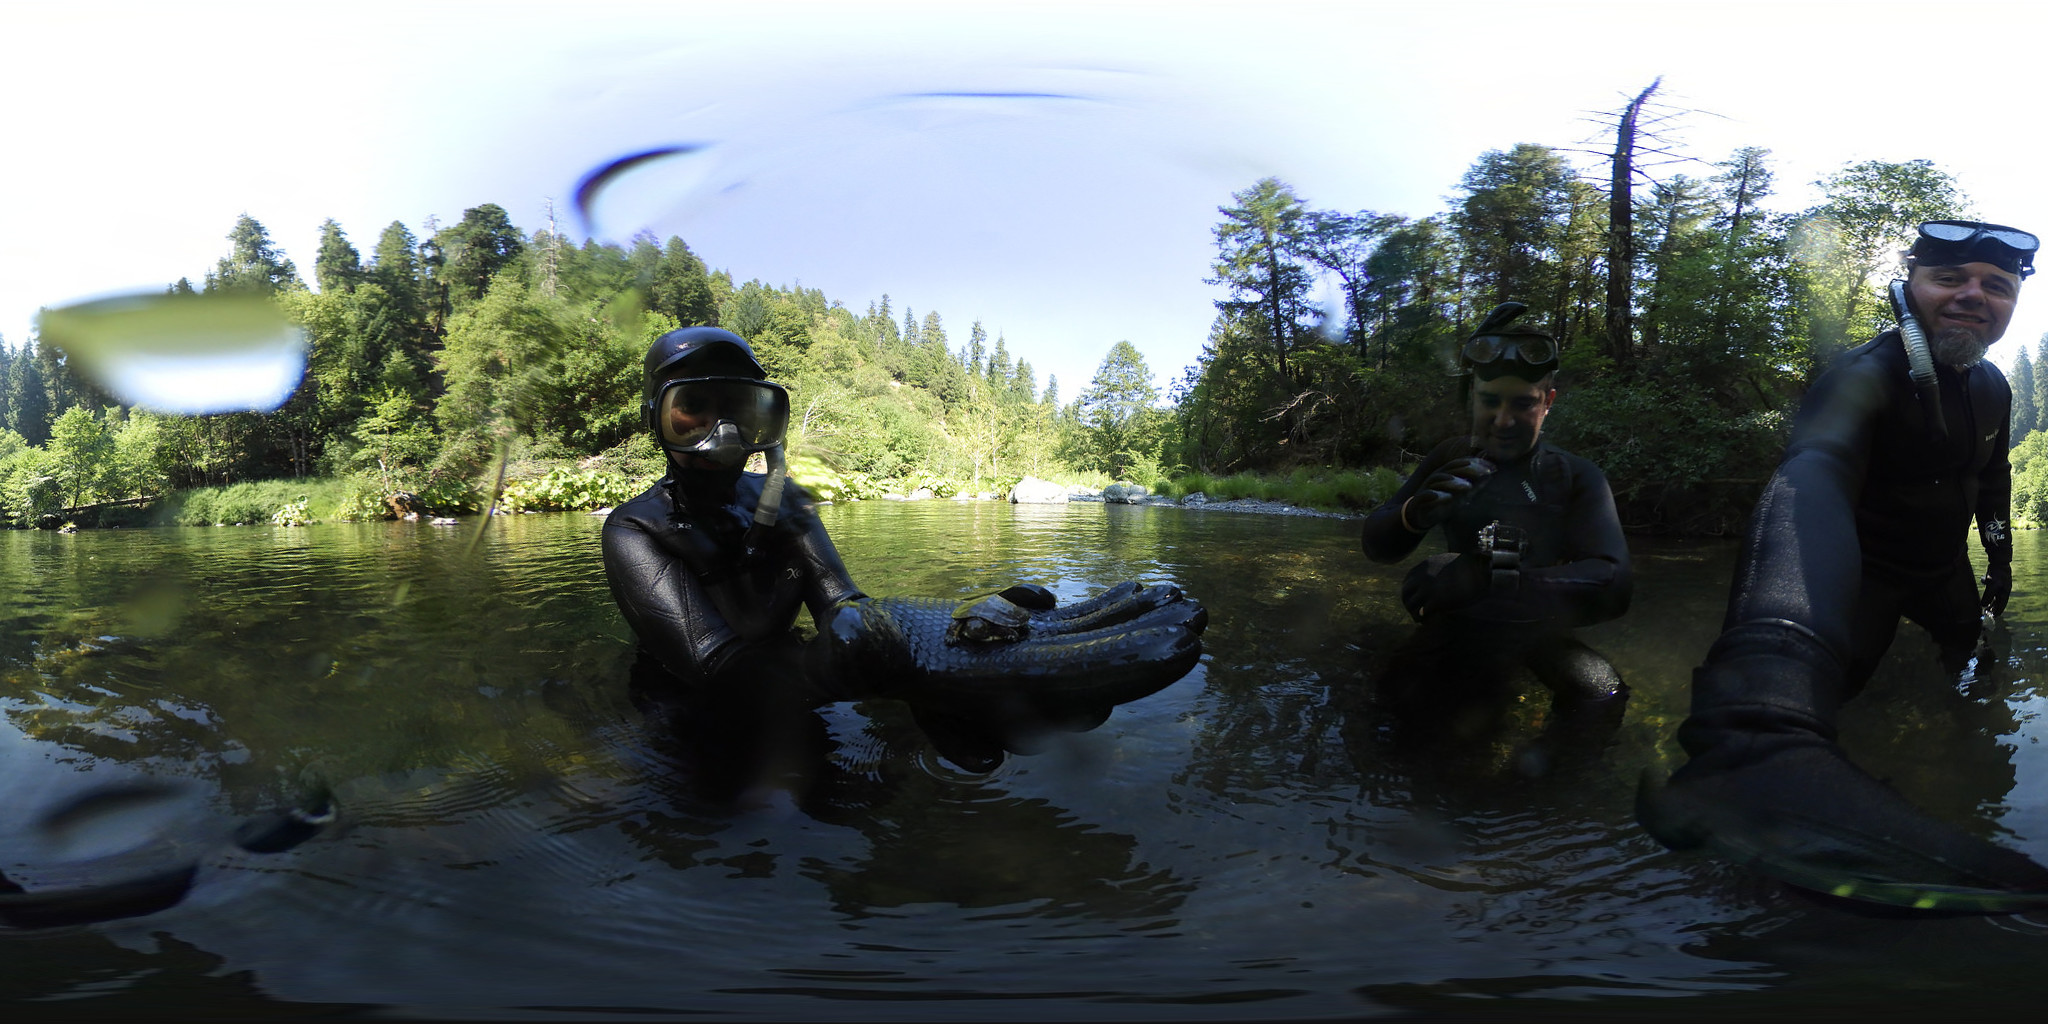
(841, 153)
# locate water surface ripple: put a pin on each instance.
(517, 836)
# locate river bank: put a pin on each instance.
(1343, 495)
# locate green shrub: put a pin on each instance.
(362, 501)
(941, 487)
(1333, 490)
(573, 490)
(448, 495)
(254, 502)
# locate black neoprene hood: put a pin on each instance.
(721, 348)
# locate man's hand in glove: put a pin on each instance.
(1997, 589)
(1442, 492)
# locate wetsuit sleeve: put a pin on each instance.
(665, 603)
(1595, 585)
(1801, 566)
(1386, 538)
(826, 581)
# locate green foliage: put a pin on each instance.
(827, 484)
(1514, 221)
(1326, 489)
(28, 490)
(362, 500)
(475, 249)
(81, 455)
(292, 514)
(574, 490)
(283, 502)
(1677, 458)
(338, 267)
(2026, 416)
(1866, 218)
(254, 262)
(1120, 431)
(447, 495)
(2030, 481)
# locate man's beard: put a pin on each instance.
(1957, 347)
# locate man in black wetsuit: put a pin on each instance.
(711, 565)
(1533, 545)
(1897, 447)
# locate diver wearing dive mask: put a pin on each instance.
(1533, 546)
(721, 419)
(712, 564)
(1896, 449)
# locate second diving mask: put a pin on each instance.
(708, 413)
(1501, 347)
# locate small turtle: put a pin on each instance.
(994, 619)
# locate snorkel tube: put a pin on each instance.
(770, 505)
(1919, 363)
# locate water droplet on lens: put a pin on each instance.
(191, 354)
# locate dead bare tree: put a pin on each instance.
(1640, 142)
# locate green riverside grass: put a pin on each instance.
(1328, 490)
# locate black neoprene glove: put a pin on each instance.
(1997, 586)
(1013, 650)
(1446, 582)
(1442, 491)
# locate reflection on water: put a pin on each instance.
(515, 831)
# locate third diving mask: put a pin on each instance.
(688, 413)
(1530, 349)
(1500, 348)
(1530, 356)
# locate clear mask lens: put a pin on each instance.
(688, 413)
(1525, 348)
(1954, 231)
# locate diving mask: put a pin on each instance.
(705, 414)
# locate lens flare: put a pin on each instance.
(191, 354)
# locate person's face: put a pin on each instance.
(1507, 415)
(1975, 298)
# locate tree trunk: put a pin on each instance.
(1280, 338)
(1621, 249)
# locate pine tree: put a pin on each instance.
(338, 267)
(2040, 388)
(681, 288)
(254, 263)
(977, 349)
(2026, 414)
(999, 365)
(1255, 244)
(28, 397)
(475, 249)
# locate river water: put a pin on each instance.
(515, 838)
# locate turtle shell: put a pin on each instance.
(989, 620)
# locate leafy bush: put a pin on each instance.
(570, 490)
(1328, 489)
(261, 501)
(448, 495)
(941, 487)
(2030, 481)
(362, 501)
